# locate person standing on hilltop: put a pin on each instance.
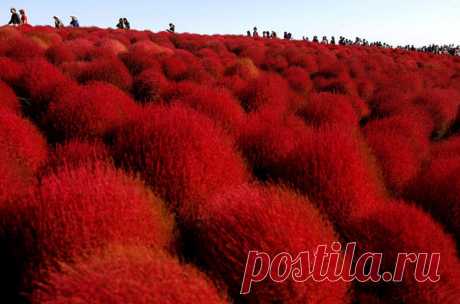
(24, 19)
(57, 22)
(255, 34)
(126, 24)
(74, 22)
(15, 19)
(172, 28)
(120, 24)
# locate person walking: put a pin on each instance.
(57, 22)
(126, 24)
(120, 24)
(74, 21)
(24, 19)
(15, 19)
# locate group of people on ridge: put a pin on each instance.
(18, 18)
(268, 34)
(123, 24)
(59, 24)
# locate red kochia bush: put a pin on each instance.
(216, 103)
(128, 275)
(181, 153)
(8, 99)
(267, 141)
(401, 144)
(60, 53)
(326, 108)
(76, 153)
(109, 70)
(10, 70)
(267, 91)
(334, 166)
(20, 139)
(23, 151)
(91, 110)
(267, 219)
(443, 105)
(150, 85)
(41, 80)
(23, 48)
(397, 227)
(446, 148)
(75, 212)
(299, 79)
(437, 189)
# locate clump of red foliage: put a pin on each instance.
(128, 275)
(398, 227)
(77, 211)
(89, 111)
(268, 219)
(181, 153)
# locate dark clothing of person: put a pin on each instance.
(127, 25)
(74, 23)
(15, 19)
(58, 23)
(120, 25)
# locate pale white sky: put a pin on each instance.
(394, 21)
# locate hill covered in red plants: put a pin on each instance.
(140, 167)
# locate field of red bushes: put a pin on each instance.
(140, 167)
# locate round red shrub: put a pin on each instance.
(443, 105)
(266, 141)
(267, 91)
(60, 53)
(75, 212)
(446, 148)
(109, 70)
(150, 85)
(77, 152)
(398, 227)
(244, 68)
(23, 48)
(80, 47)
(8, 99)
(216, 103)
(266, 219)
(327, 108)
(437, 189)
(128, 275)
(22, 141)
(140, 57)
(41, 80)
(298, 78)
(92, 110)
(181, 153)
(175, 68)
(112, 46)
(10, 70)
(335, 168)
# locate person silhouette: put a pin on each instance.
(15, 19)
(120, 24)
(172, 28)
(57, 22)
(74, 22)
(126, 24)
(24, 19)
